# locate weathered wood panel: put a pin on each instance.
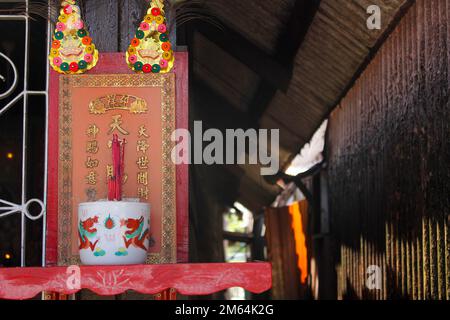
(389, 150)
(101, 18)
(113, 23)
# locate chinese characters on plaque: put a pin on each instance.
(119, 126)
(142, 163)
(141, 111)
(91, 163)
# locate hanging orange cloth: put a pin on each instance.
(298, 213)
(286, 241)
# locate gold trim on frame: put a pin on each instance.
(167, 83)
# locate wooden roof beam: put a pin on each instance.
(289, 43)
(296, 29)
(234, 43)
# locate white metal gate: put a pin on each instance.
(8, 208)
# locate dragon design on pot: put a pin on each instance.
(135, 235)
(86, 231)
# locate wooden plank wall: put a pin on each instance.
(113, 23)
(388, 149)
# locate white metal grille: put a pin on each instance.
(8, 208)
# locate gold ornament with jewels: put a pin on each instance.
(72, 51)
(150, 50)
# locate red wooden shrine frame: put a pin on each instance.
(114, 63)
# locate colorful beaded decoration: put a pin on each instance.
(73, 51)
(150, 50)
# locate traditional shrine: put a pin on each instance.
(224, 150)
(116, 217)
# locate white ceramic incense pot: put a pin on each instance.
(113, 232)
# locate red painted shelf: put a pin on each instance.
(187, 279)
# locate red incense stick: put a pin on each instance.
(116, 165)
(121, 169)
(110, 189)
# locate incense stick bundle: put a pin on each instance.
(115, 181)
